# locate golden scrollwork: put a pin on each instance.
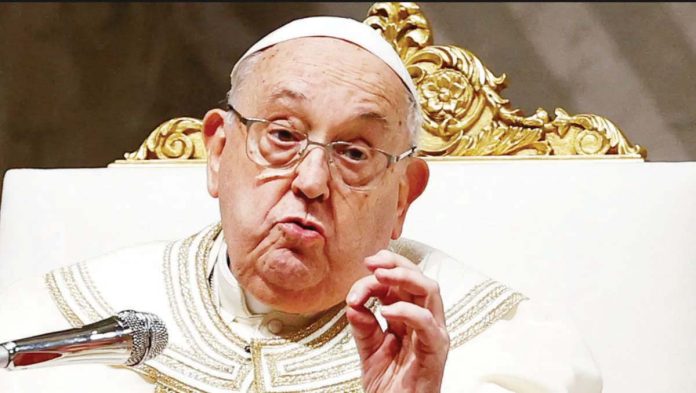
(176, 139)
(464, 113)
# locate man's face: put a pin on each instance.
(297, 241)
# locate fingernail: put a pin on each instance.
(352, 298)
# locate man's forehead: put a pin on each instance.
(364, 112)
(345, 29)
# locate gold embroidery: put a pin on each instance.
(172, 302)
(87, 278)
(205, 291)
(238, 368)
(337, 352)
(475, 291)
(197, 374)
(339, 347)
(188, 303)
(335, 328)
(469, 313)
(493, 316)
(99, 299)
(352, 385)
(58, 298)
(77, 295)
(164, 383)
(295, 362)
(332, 328)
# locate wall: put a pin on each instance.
(80, 84)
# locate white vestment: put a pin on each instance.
(500, 340)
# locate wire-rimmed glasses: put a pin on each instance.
(278, 145)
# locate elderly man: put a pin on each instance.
(305, 284)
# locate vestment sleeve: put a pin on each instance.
(531, 350)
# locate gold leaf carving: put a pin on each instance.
(176, 139)
(589, 134)
(503, 140)
(464, 112)
(403, 25)
(461, 102)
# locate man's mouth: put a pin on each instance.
(302, 227)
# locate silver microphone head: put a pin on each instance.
(149, 335)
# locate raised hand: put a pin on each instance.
(410, 355)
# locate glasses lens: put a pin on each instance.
(358, 166)
(278, 145)
(274, 144)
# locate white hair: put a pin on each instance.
(414, 117)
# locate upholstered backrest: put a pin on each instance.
(609, 243)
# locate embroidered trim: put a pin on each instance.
(489, 319)
(475, 291)
(58, 298)
(87, 278)
(328, 327)
(323, 352)
(228, 359)
(82, 302)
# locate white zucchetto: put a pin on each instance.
(342, 28)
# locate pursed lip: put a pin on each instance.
(305, 223)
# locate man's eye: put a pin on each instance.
(284, 135)
(354, 153)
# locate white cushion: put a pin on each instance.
(610, 242)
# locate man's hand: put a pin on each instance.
(410, 355)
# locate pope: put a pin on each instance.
(306, 284)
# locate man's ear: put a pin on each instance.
(214, 138)
(410, 188)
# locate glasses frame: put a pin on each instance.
(391, 158)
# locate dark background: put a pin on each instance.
(80, 84)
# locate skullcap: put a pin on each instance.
(342, 28)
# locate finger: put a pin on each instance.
(431, 334)
(387, 259)
(366, 330)
(394, 326)
(365, 288)
(426, 291)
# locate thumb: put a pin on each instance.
(366, 331)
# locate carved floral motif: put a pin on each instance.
(177, 139)
(464, 112)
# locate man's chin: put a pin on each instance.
(294, 300)
(288, 270)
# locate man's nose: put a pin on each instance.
(312, 175)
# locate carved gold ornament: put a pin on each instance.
(463, 110)
(176, 140)
(464, 113)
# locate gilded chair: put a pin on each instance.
(563, 207)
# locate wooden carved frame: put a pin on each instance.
(465, 115)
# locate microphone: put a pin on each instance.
(128, 338)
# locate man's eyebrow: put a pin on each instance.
(373, 116)
(288, 93)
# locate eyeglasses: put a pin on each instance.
(278, 145)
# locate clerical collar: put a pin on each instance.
(237, 303)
